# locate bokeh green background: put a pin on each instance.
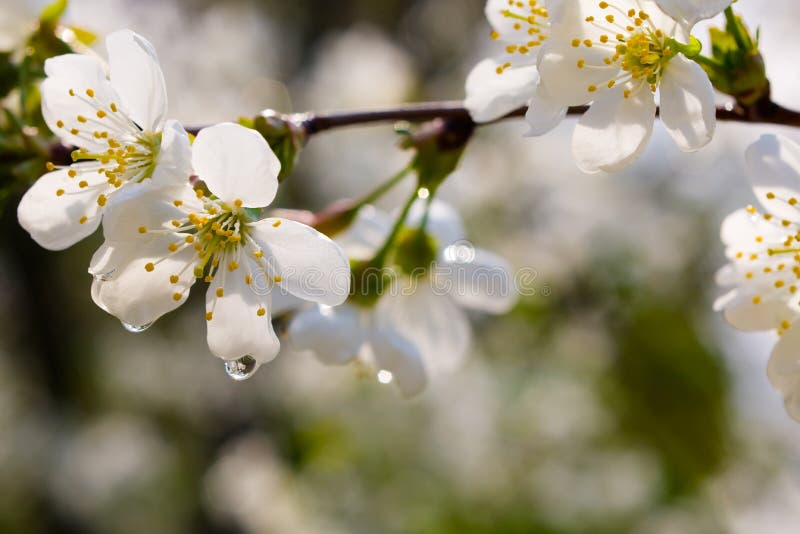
(611, 401)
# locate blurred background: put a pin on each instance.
(612, 401)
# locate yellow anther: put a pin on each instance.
(495, 35)
(576, 43)
(771, 196)
(149, 267)
(756, 300)
(220, 292)
(60, 124)
(74, 131)
(248, 279)
(232, 266)
(276, 223)
(173, 247)
(277, 278)
(786, 324)
(81, 119)
(101, 114)
(142, 230)
(83, 184)
(237, 203)
(59, 192)
(261, 312)
(90, 93)
(189, 239)
(50, 166)
(176, 223)
(176, 297)
(101, 200)
(113, 107)
(72, 173)
(209, 316)
(174, 279)
(258, 254)
(83, 219)
(592, 88)
(177, 203)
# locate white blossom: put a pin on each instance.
(160, 240)
(118, 122)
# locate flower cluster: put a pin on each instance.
(763, 246)
(172, 212)
(416, 328)
(613, 56)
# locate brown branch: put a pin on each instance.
(764, 111)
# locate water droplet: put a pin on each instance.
(385, 377)
(241, 369)
(423, 193)
(105, 277)
(136, 328)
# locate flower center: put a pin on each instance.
(530, 21)
(637, 50)
(130, 157)
(219, 236)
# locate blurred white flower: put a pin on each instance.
(616, 56)
(418, 328)
(499, 85)
(764, 259)
(17, 19)
(120, 127)
(159, 240)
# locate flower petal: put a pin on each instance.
(240, 323)
(783, 369)
(236, 163)
(743, 314)
(86, 71)
(476, 279)
(57, 221)
(394, 353)
(138, 295)
(491, 95)
(544, 112)
(689, 12)
(65, 107)
(146, 206)
(334, 335)
(137, 77)
(687, 104)
(366, 234)
(615, 130)
(444, 222)
(174, 164)
(307, 263)
(773, 163)
(431, 321)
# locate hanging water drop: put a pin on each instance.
(241, 369)
(136, 328)
(385, 377)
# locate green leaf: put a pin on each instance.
(9, 75)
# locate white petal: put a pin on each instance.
(744, 315)
(399, 356)
(86, 71)
(773, 163)
(567, 84)
(740, 230)
(432, 322)
(491, 95)
(174, 164)
(236, 329)
(146, 206)
(61, 110)
(687, 104)
(689, 12)
(137, 296)
(334, 335)
(544, 112)
(615, 130)
(55, 221)
(236, 163)
(507, 27)
(479, 280)
(366, 234)
(309, 264)
(783, 369)
(137, 77)
(444, 222)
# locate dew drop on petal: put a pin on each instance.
(136, 328)
(241, 369)
(384, 376)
